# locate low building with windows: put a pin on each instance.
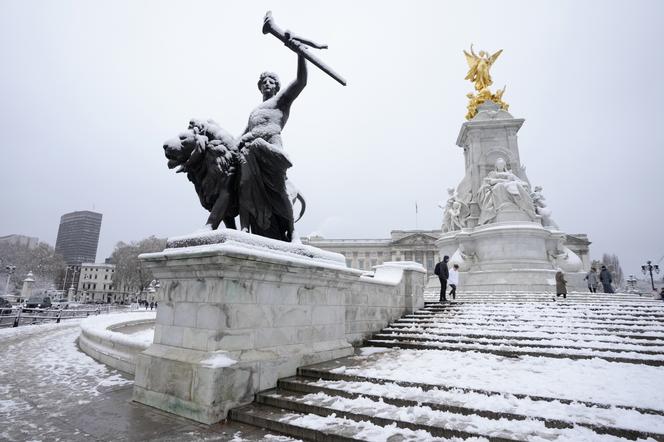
(95, 284)
(403, 245)
(411, 245)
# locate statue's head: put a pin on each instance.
(500, 165)
(268, 84)
(538, 188)
(450, 191)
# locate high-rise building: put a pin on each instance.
(78, 237)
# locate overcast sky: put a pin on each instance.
(89, 91)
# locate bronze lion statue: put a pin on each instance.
(213, 163)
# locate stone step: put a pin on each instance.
(560, 305)
(328, 427)
(444, 328)
(288, 423)
(539, 308)
(320, 405)
(531, 312)
(505, 317)
(512, 353)
(512, 326)
(581, 337)
(326, 371)
(516, 342)
(390, 393)
(556, 320)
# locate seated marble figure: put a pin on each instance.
(503, 190)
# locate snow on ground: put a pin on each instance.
(593, 380)
(43, 373)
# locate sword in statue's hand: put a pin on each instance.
(299, 46)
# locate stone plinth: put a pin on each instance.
(237, 312)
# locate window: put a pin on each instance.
(373, 262)
(408, 256)
(105, 276)
(360, 263)
(349, 262)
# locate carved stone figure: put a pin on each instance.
(541, 209)
(503, 189)
(455, 213)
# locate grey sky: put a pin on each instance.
(90, 90)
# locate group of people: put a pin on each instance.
(450, 277)
(447, 276)
(594, 279)
(143, 304)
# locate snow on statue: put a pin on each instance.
(247, 176)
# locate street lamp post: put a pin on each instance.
(64, 281)
(10, 271)
(648, 268)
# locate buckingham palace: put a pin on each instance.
(411, 245)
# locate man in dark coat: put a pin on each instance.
(606, 280)
(443, 274)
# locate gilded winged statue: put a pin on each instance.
(478, 67)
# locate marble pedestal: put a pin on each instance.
(510, 256)
(239, 313)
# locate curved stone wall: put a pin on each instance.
(101, 339)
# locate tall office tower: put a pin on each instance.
(78, 237)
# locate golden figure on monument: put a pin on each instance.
(478, 73)
(478, 67)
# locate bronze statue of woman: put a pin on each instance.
(265, 207)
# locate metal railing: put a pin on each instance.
(27, 316)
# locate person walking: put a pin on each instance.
(443, 275)
(593, 282)
(606, 280)
(561, 284)
(454, 280)
(151, 305)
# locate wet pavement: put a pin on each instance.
(51, 391)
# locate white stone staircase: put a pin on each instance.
(613, 350)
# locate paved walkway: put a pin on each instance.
(51, 391)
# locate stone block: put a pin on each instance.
(165, 313)
(211, 317)
(270, 294)
(326, 314)
(184, 314)
(228, 339)
(291, 315)
(196, 338)
(172, 335)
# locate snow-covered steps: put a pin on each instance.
(433, 296)
(555, 371)
(626, 333)
(333, 428)
(409, 395)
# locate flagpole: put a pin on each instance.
(416, 224)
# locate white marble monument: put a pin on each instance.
(496, 226)
(238, 311)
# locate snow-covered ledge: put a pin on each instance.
(101, 339)
(237, 312)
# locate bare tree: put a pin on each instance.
(41, 260)
(613, 264)
(130, 273)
